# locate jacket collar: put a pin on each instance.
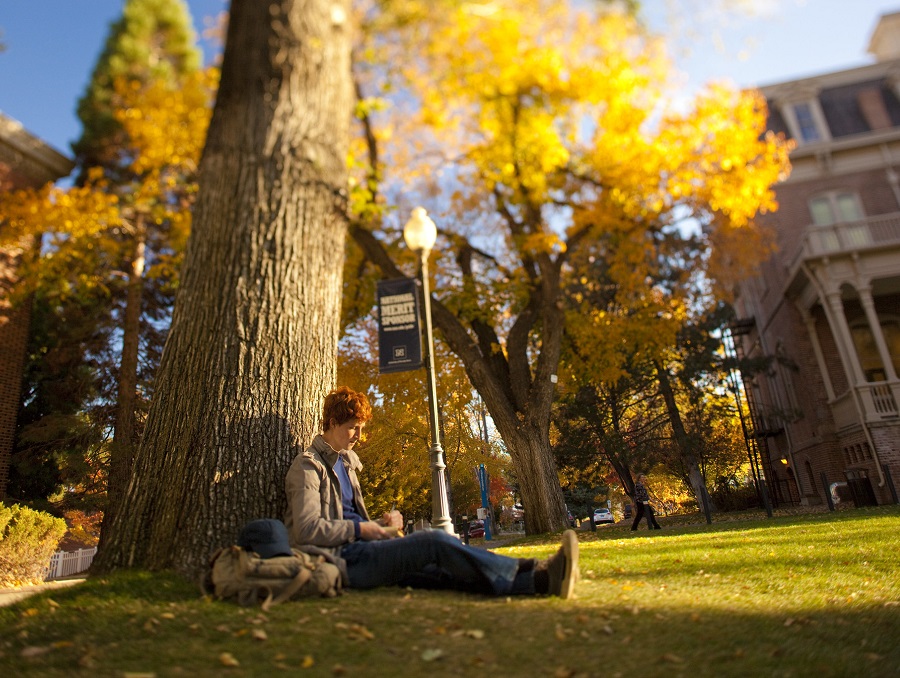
(330, 455)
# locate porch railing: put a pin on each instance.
(872, 232)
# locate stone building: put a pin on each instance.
(25, 161)
(827, 304)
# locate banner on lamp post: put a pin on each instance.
(399, 336)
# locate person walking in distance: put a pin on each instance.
(642, 505)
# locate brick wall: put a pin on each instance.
(14, 325)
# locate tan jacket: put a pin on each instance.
(314, 515)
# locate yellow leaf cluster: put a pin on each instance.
(79, 212)
(553, 103)
(165, 124)
(164, 129)
(526, 79)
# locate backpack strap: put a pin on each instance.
(297, 583)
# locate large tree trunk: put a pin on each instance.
(682, 442)
(122, 455)
(252, 347)
(532, 457)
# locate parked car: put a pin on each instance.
(603, 515)
(476, 529)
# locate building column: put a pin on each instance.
(810, 323)
(841, 329)
(868, 304)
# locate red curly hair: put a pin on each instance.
(344, 404)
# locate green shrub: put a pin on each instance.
(28, 539)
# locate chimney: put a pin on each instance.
(884, 44)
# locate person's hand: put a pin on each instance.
(392, 519)
(369, 530)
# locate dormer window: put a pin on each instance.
(806, 121)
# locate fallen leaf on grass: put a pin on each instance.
(432, 654)
(33, 651)
(357, 631)
(259, 634)
(52, 603)
(167, 615)
(308, 662)
(873, 657)
(59, 644)
(672, 658)
(563, 672)
(227, 659)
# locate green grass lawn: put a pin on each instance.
(804, 595)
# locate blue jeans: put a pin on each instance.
(435, 560)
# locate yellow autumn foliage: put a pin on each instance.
(556, 104)
(164, 128)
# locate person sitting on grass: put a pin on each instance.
(326, 510)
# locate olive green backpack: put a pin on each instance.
(242, 576)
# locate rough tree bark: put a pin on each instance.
(252, 347)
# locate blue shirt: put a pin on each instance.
(347, 504)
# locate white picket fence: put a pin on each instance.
(65, 563)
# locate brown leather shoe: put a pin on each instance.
(562, 568)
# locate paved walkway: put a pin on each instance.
(10, 596)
